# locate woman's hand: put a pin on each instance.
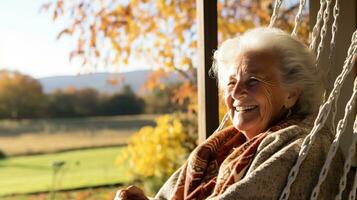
(131, 193)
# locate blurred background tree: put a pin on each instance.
(88, 102)
(162, 100)
(21, 96)
(123, 103)
(61, 104)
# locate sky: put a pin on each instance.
(28, 42)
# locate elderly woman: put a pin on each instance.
(272, 91)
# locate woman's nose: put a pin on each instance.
(239, 90)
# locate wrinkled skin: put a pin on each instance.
(255, 95)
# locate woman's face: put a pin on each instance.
(255, 95)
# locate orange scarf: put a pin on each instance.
(218, 163)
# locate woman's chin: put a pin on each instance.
(249, 128)
(247, 118)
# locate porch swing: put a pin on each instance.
(329, 104)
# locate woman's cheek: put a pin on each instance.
(267, 104)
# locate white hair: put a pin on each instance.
(297, 63)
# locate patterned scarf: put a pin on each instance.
(217, 163)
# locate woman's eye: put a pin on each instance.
(252, 82)
(231, 83)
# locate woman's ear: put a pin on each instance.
(292, 97)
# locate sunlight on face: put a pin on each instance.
(255, 96)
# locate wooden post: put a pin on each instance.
(207, 87)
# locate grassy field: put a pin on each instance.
(23, 137)
(82, 168)
(55, 140)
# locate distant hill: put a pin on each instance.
(100, 81)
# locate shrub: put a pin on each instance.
(154, 153)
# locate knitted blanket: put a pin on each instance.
(228, 167)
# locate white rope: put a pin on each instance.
(298, 17)
(351, 152)
(336, 14)
(317, 27)
(335, 144)
(274, 16)
(334, 28)
(333, 119)
(322, 116)
(340, 129)
(323, 32)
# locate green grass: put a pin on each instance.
(83, 168)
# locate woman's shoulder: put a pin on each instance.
(285, 141)
(293, 132)
(278, 152)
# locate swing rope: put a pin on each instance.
(274, 16)
(321, 118)
(324, 111)
(335, 144)
(317, 27)
(298, 17)
(347, 164)
(325, 18)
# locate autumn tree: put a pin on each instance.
(159, 100)
(21, 96)
(163, 33)
(73, 103)
(88, 100)
(123, 103)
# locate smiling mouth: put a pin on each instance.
(245, 108)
